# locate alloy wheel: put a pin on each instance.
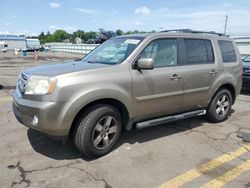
(104, 132)
(222, 106)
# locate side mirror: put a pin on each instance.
(146, 63)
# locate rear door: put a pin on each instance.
(159, 91)
(199, 72)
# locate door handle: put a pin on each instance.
(213, 72)
(175, 77)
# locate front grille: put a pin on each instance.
(22, 82)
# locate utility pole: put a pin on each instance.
(225, 27)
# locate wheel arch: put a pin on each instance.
(120, 106)
(230, 87)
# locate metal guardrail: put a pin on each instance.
(71, 48)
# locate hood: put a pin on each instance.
(62, 68)
(246, 65)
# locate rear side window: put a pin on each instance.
(227, 51)
(198, 51)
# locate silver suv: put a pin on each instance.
(131, 81)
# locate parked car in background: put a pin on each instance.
(101, 37)
(246, 72)
(17, 50)
(131, 81)
(90, 41)
(3, 50)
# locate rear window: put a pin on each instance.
(227, 51)
(198, 51)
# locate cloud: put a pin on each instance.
(97, 13)
(138, 23)
(32, 34)
(24, 32)
(205, 18)
(53, 27)
(54, 5)
(7, 23)
(88, 11)
(68, 28)
(145, 11)
(4, 33)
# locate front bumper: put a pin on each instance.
(39, 115)
(246, 81)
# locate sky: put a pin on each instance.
(30, 17)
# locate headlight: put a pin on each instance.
(40, 85)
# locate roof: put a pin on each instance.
(12, 37)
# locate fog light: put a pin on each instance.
(34, 121)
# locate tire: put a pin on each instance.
(98, 130)
(220, 106)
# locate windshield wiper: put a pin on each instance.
(99, 62)
(108, 63)
(92, 62)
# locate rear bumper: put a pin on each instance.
(41, 116)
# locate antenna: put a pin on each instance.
(225, 27)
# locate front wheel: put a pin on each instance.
(220, 106)
(98, 130)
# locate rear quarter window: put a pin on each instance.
(227, 51)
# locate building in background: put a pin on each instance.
(33, 43)
(78, 40)
(243, 44)
(13, 41)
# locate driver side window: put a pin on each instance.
(163, 51)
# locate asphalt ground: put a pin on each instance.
(188, 153)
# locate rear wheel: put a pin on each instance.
(98, 130)
(220, 106)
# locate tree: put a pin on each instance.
(119, 32)
(60, 35)
(79, 33)
(89, 35)
(42, 37)
(42, 34)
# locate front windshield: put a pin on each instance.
(113, 51)
(247, 59)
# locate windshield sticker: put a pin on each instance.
(131, 41)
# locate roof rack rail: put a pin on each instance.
(194, 31)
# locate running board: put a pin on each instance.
(167, 119)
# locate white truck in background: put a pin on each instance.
(3, 46)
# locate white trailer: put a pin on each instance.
(3, 46)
